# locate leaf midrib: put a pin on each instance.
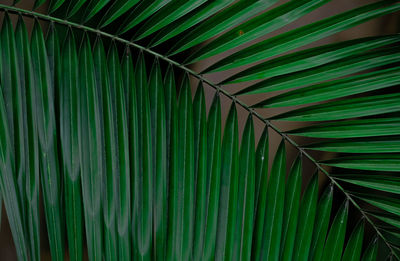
(218, 88)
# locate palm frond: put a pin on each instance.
(154, 176)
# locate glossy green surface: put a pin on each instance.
(135, 164)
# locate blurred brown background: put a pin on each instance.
(388, 24)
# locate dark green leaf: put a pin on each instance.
(172, 139)
(354, 245)
(90, 148)
(93, 8)
(371, 252)
(305, 35)
(309, 58)
(201, 162)
(351, 129)
(189, 20)
(245, 210)
(383, 202)
(378, 162)
(182, 181)
(9, 187)
(49, 165)
(349, 65)
(336, 89)
(334, 243)
(388, 218)
(54, 5)
(229, 188)
(275, 205)
(141, 12)
(74, 6)
(68, 97)
(170, 13)
(378, 182)
(260, 193)
(143, 179)
(12, 92)
(122, 145)
(118, 8)
(359, 145)
(321, 224)
(32, 184)
(257, 27)
(344, 109)
(159, 156)
(110, 151)
(306, 220)
(291, 210)
(37, 3)
(229, 17)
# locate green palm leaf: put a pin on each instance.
(159, 176)
(90, 151)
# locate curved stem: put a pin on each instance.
(217, 87)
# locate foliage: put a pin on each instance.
(128, 170)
